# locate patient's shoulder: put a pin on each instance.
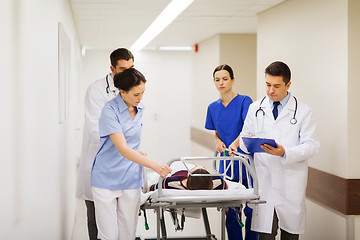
(175, 181)
(219, 183)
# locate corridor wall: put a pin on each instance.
(38, 150)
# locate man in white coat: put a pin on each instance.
(282, 171)
(97, 94)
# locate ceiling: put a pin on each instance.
(109, 24)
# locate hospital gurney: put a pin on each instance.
(173, 200)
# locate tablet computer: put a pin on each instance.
(253, 144)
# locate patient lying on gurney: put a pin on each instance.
(181, 179)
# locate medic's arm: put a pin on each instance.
(209, 124)
(120, 143)
(220, 145)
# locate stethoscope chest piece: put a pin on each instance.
(293, 121)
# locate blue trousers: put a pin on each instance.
(233, 227)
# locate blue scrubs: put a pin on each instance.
(110, 169)
(228, 122)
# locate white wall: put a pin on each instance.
(95, 65)
(314, 45)
(239, 51)
(166, 121)
(323, 223)
(8, 178)
(203, 90)
(37, 174)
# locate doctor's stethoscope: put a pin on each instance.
(108, 87)
(293, 120)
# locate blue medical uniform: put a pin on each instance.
(110, 169)
(228, 122)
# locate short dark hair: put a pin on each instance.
(279, 69)
(200, 182)
(226, 68)
(128, 78)
(120, 54)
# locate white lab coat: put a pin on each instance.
(95, 99)
(282, 181)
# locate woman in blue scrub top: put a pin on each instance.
(116, 176)
(226, 116)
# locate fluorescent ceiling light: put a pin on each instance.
(168, 15)
(176, 48)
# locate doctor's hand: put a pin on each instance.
(248, 135)
(278, 151)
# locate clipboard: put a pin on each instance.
(253, 144)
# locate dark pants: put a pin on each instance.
(233, 227)
(284, 234)
(91, 222)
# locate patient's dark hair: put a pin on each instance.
(200, 182)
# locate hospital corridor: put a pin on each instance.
(52, 51)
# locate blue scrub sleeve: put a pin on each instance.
(245, 108)
(109, 122)
(209, 123)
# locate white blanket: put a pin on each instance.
(234, 189)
